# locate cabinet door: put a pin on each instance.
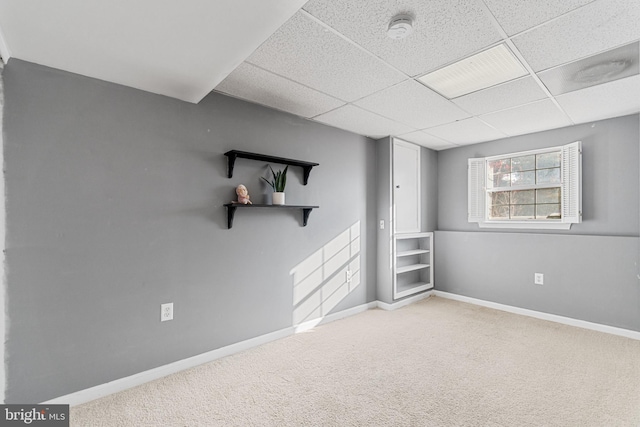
(406, 186)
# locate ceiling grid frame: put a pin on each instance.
(444, 34)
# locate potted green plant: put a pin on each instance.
(278, 183)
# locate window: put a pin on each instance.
(532, 189)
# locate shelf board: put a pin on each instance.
(411, 267)
(236, 154)
(403, 290)
(401, 236)
(412, 252)
(231, 210)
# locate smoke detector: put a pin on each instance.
(400, 27)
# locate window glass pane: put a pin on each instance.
(523, 197)
(500, 166)
(499, 212)
(548, 195)
(550, 211)
(500, 198)
(523, 178)
(522, 211)
(524, 163)
(548, 176)
(501, 180)
(548, 160)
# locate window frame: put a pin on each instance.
(570, 190)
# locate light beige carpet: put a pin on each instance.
(434, 363)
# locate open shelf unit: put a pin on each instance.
(236, 154)
(413, 264)
(231, 210)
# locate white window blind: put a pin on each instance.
(477, 195)
(533, 189)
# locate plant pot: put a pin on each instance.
(278, 198)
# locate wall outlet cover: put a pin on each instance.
(538, 278)
(166, 312)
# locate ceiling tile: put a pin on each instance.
(426, 140)
(360, 121)
(596, 27)
(414, 104)
(305, 51)
(613, 99)
(611, 65)
(534, 117)
(469, 131)
(444, 31)
(518, 15)
(506, 95)
(257, 85)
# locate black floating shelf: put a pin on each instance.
(235, 154)
(231, 210)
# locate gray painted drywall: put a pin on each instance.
(385, 240)
(2, 240)
(590, 270)
(590, 278)
(114, 206)
(429, 166)
(609, 169)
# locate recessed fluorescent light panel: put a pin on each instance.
(604, 67)
(480, 71)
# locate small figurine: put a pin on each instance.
(243, 195)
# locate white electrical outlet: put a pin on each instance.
(166, 312)
(382, 224)
(538, 278)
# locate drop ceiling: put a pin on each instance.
(332, 61)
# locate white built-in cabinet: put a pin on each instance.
(412, 252)
(406, 187)
(413, 263)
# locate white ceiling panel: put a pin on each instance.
(360, 121)
(468, 131)
(534, 117)
(426, 140)
(518, 15)
(307, 52)
(617, 98)
(413, 104)
(597, 69)
(173, 48)
(506, 95)
(262, 87)
(596, 27)
(443, 30)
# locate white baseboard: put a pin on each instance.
(544, 316)
(87, 395)
(404, 302)
(310, 324)
(121, 384)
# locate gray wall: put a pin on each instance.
(590, 270)
(114, 206)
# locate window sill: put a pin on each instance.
(531, 225)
